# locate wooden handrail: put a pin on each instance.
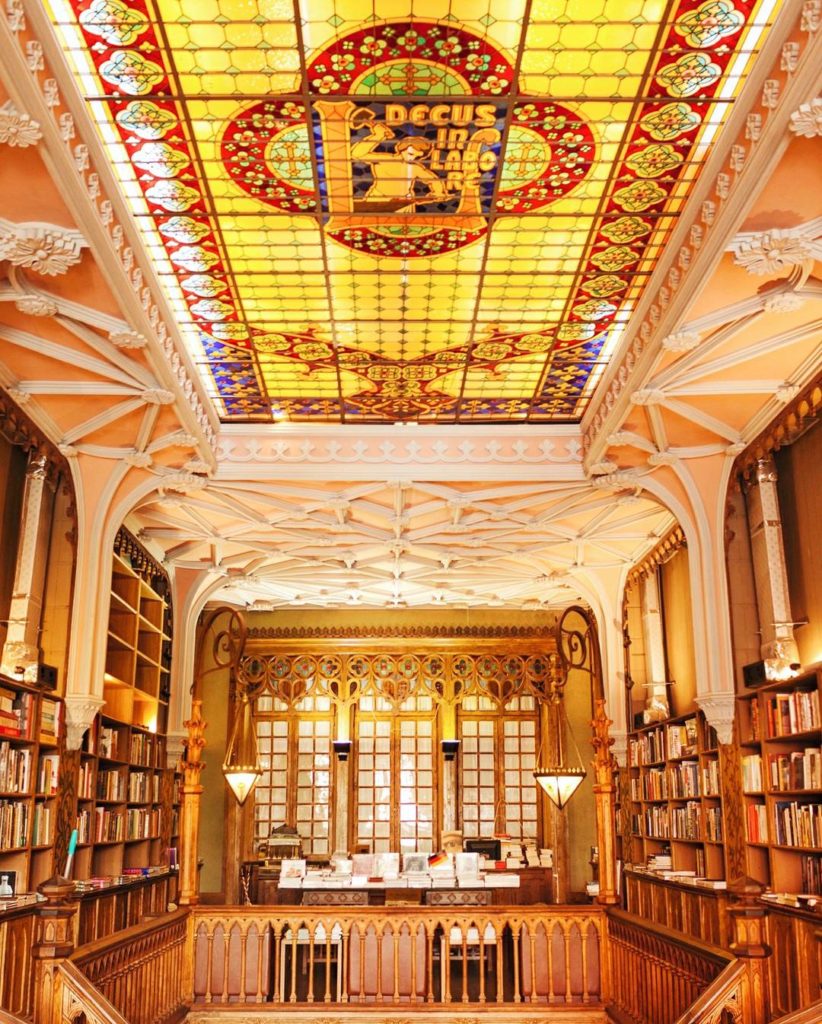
(84, 996)
(398, 955)
(657, 974)
(809, 1015)
(728, 990)
(9, 1018)
(141, 970)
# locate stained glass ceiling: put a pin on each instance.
(402, 210)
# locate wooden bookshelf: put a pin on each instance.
(780, 734)
(675, 803)
(31, 724)
(124, 793)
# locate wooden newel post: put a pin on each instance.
(54, 941)
(190, 808)
(605, 798)
(749, 929)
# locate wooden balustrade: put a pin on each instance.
(657, 974)
(414, 955)
(141, 970)
(16, 965)
(728, 998)
(810, 1015)
(76, 1000)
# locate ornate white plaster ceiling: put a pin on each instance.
(398, 544)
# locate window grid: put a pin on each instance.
(313, 790)
(519, 748)
(373, 782)
(271, 791)
(416, 797)
(477, 781)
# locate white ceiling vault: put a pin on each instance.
(401, 543)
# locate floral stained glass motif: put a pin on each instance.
(362, 213)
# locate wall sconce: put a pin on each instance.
(342, 748)
(449, 749)
(241, 766)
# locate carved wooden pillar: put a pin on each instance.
(604, 796)
(190, 807)
(53, 943)
(749, 926)
(21, 651)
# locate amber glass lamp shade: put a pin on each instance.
(241, 766)
(560, 783)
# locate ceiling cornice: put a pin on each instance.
(471, 453)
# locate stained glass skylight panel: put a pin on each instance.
(393, 210)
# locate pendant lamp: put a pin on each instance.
(241, 766)
(560, 781)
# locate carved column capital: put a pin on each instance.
(80, 712)
(719, 709)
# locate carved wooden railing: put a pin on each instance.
(657, 975)
(727, 998)
(9, 1018)
(414, 955)
(76, 999)
(16, 965)
(140, 971)
(810, 1015)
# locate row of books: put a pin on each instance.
(143, 787)
(111, 784)
(142, 823)
(757, 823)
(677, 782)
(16, 713)
(682, 738)
(109, 826)
(648, 748)
(85, 781)
(789, 713)
(15, 770)
(145, 750)
(801, 769)
(51, 717)
(798, 824)
(14, 824)
(41, 834)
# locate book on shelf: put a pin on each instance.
(47, 772)
(14, 824)
(16, 714)
(51, 713)
(15, 768)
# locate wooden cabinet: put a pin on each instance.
(31, 725)
(780, 735)
(676, 806)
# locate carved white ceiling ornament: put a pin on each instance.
(43, 248)
(36, 305)
(783, 302)
(127, 339)
(681, 341)
(806, 120)
(18, 129)
(769, 252)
